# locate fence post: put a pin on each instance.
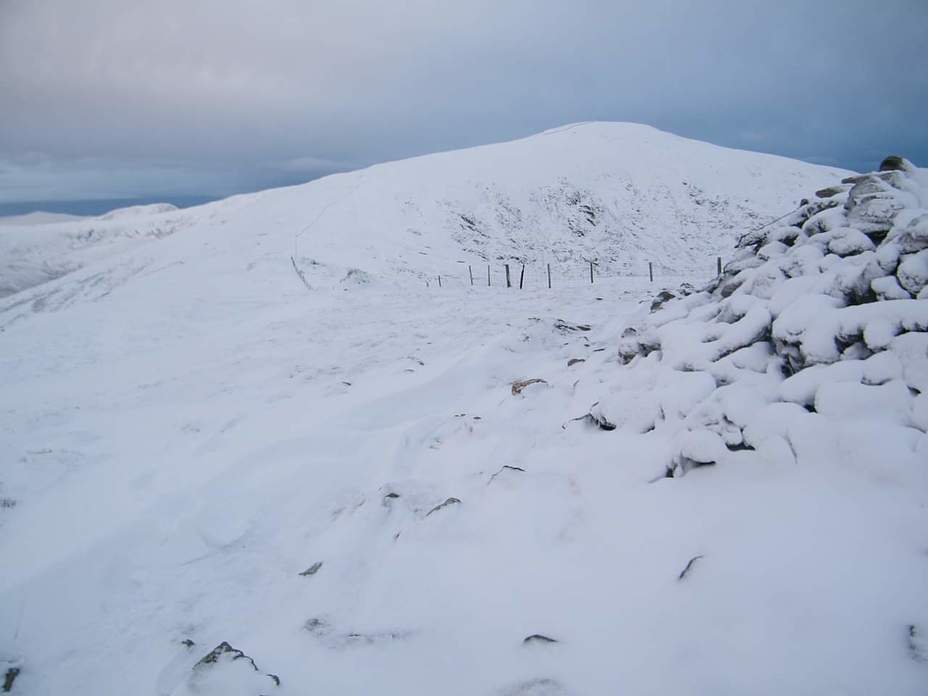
(549, 276)
(651, 271)
(471, 272)
(508, 284)
(521, 276)
(439, 281)
(591, 272)
(718, 265)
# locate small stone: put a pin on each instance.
(449, 501)
(312, 570)
(521, 384)
(565, 327)
(662, 297)
(830, 191)
(9, 678)
(688, 567)
(538, 638)
(892, 163)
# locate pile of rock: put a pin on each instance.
(819, 321)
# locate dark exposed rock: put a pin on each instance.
(312, 570)
(600, 420)
(8, 678)
(449, 501)
(226, 653)
(566, 327)
(688, 568)
(830, 191)
(574, 361)
(597, 417)
(224, 648)
(662, 297)
(538, 638)
(521, 384)
(893, 163)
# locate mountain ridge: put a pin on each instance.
(622, 194)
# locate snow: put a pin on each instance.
(35, 253)
(139, 210)
(189, 426)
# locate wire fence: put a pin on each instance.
(542, 275)
(545, 275)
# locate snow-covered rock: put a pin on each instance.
(829, 307)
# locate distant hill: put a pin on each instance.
(618, 193)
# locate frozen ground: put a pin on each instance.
(344, 476)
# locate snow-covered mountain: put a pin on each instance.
(35, 249)
(243, 453)
(620, 194)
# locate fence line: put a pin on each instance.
(589, 270)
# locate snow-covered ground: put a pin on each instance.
(341, 472)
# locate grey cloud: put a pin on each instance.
(246, 94)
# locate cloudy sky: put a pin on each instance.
(119, 98)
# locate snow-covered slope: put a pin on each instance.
(137, 210)
(37, 250)
(220, 479)
(617, 193)
(621, 194)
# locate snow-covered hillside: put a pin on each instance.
(222, 478)
(617, 193)
(35, 249)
